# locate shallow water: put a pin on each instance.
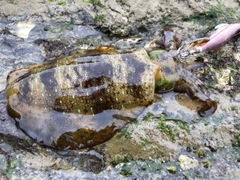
(17, 53)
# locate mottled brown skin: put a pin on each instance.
(173, 77)
(75, 102)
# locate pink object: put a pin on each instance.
(223, 34)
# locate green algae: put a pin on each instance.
(95, 3)
(166, 126)
(62, 3)
(127, 131)
(126, 169)
(167, 129)
(201, 152)
(99, 18)
(145, 141)
(206, 163)
(213, 15)
(133, 168)
(12, 164)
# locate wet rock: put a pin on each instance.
(237, 97)
(84, 31)
(23, 50)
(21, 29)
(12, 41)
(90, 162)
(6, 45)
(117, 16)
(55, 48)
(3, 163)
(3, 177)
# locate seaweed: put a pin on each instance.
(165, 127)
(212, 16)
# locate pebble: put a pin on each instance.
(6, 147)
(187, 162)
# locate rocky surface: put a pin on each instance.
(169, 140)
